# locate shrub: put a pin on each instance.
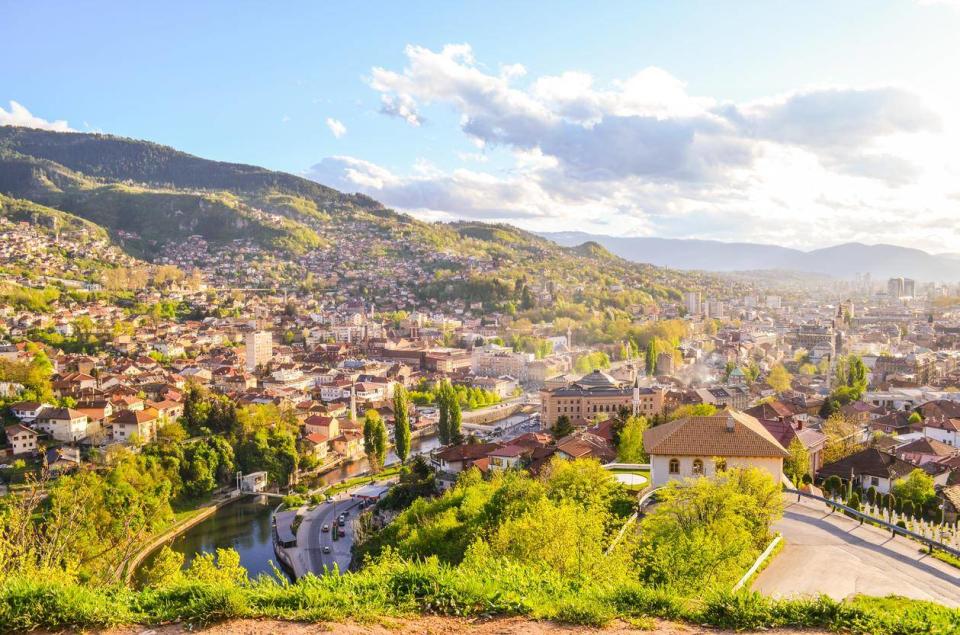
(291, 501)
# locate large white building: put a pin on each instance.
(496, 361)
(259, 346)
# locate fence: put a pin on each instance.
(894, 529)
(757, 563)
(633, 517)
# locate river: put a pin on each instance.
(420, 445)
(243, 525)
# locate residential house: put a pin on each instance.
(62, 459)
(63, 424)
(27, 411)
(924, 451)
(22, 440)
(869, 468)
(943, 429)
(142, 423)
(700, 446)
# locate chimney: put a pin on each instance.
(730, 423)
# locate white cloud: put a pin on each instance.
(642, 155)
(20, 116)
(337, 129)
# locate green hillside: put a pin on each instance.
(150, 197)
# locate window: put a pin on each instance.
(674, 466)
(874, 481)
(698, 466)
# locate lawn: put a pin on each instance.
(633, 487)
(356, 481)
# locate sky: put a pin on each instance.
(804, 124)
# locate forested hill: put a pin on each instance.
(120, 159)
(152, 198)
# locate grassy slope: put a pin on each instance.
(393, 588)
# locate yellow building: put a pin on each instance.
(598, 393)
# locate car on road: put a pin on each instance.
(343, 532)
(325, 528)
(326, 549)
(341, 522)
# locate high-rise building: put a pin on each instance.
(895, 288)
(773, 302)
(714, 309)
(692, 302)
(909, 288)
(259, 348)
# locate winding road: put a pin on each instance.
(836, 556)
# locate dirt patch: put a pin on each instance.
(430, 625)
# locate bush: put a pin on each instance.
(292, 501)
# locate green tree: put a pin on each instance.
(443, 406)
(562, 427)
(456, 421)
(798, 463)
(918, 488)
(401, 430)
(374, 440)
(630, 446)
(705, 532)
(779, 379)
(650, 357)
(854, 501)
(843, 438)
(833, 485)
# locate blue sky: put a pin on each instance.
(260, 82)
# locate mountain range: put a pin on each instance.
(841, 261)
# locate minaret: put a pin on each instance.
(569, 339)
(636, 396)
(353, 403)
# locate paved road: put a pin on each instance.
(317, 539)
(835, 555)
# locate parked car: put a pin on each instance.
(325, 528)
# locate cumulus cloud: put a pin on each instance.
(644, 156)
(20, 116)
(337, 129)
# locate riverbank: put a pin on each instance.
(181, 525)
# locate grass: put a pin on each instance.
(397, 588)
(944, 557)
(357, 481)
(766, 563)
(634, 488)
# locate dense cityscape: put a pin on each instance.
(502, 319)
